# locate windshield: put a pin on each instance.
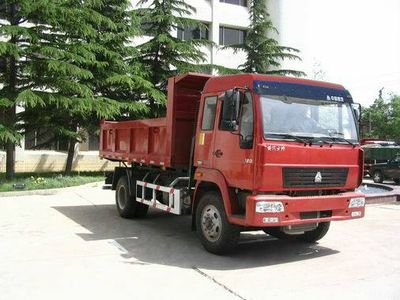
(328, 120)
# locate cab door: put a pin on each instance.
(203, 155)
(233, 148)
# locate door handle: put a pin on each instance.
(218, 153)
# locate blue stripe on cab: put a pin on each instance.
(301, 91)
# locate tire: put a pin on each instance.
(396, 180)
(314, 235)
(127, 206)
(216, 234)
(279, 234)
(377, 176)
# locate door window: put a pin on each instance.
(246, 123)
(210, 105)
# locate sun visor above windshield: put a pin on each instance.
(301, 91)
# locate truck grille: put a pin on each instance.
(314, 177)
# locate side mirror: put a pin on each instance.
(357, 110)
(230, 110)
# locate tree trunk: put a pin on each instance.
(11, 113)
(10, 160)
(155, 81)
(70, 157)
(10, 146)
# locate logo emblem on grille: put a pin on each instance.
(318, 177)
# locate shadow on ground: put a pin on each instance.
(166, 239)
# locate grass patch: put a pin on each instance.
(28, 181)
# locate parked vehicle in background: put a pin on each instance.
(388, 170)
(242, 152)
(378, 142)
(376, 154)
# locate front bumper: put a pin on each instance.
(297, 210)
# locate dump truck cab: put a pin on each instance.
(286, 150)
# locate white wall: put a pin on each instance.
(203, 9)
(54, 161)
(229, 15)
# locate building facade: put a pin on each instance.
(226, 22)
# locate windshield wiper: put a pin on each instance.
(340, 139)
(332, 132)
(321, 139)
(291, 136)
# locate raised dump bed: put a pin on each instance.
(162, 142)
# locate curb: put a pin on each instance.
(391, 196)
(48, 192)
(382, 198)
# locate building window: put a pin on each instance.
(231, 36)
(210, 106)
(236, 2)
(193, 33)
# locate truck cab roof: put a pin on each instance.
(279, 85)
(215, 82)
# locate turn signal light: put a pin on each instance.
(357, 202)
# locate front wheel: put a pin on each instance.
(276, 232)
(396, 180)
(217, 235)
(316, 234)
(377, 176)
(308, 236)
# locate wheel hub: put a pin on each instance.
(211, 223)
(122, 197)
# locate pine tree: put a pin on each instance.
(122, 76)
(164, 55)
(263, 53)
(51, 53)
(119, 75)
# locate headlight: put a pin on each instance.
(357, 202)
(269, 206)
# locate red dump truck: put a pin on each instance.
(242, 152)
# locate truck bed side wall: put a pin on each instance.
(142, 141)
(163, 142)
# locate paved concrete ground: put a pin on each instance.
(72, 245)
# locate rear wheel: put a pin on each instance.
(127, 205)
(377, 176)
(217, 235)
(396, 180)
